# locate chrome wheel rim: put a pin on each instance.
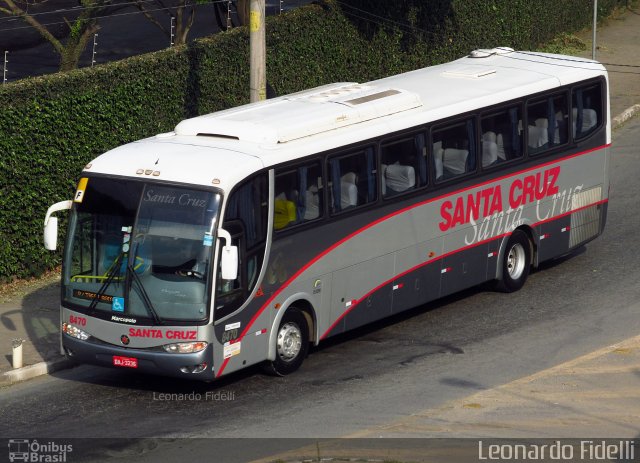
(289, 341)
(516, 261)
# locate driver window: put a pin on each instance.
(245, 219)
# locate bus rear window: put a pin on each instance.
(586, 110)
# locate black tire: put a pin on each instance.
(516, 263)
(292, 344)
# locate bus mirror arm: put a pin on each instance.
(228, 257)
(51, 224)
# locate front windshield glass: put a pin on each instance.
(140, 250)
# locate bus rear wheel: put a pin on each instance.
(292, 343)
(516, 262)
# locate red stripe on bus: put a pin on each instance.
(393, 214)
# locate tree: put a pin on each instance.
(242, 7)
(226, 19)
(80, 29)
(185, 14)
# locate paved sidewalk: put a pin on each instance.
(35, 316)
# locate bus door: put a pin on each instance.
(245, 218)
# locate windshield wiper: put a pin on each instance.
(145, 296)
(110, 276)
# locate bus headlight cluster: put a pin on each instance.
(185, 347)
(74, 332)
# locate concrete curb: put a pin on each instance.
(44, 368)
(32, 371)
(627, 114)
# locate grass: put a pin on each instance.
(565, 44)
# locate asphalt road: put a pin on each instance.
(474, 341)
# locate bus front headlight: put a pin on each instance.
(185, 347)
(74, 331)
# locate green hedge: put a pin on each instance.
(51, 126)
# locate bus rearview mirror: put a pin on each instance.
(229, 262)
(51, 224)
(51, 234)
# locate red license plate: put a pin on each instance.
(128, 362)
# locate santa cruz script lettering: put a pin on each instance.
(159, 334)
(183, 200)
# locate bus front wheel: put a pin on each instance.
(516, 262)
(292, 343)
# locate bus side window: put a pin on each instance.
(454, 150)
(284, 205)
(501, 136)
(353, 180)
(404, 165)
(586, 110)
(547, 120)
(298, 196)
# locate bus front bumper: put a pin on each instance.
(146, 361)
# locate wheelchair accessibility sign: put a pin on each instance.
(117, 305)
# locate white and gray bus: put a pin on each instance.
(246, 235)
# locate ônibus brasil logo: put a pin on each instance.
(34, 451)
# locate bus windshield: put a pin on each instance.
(140, 250)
